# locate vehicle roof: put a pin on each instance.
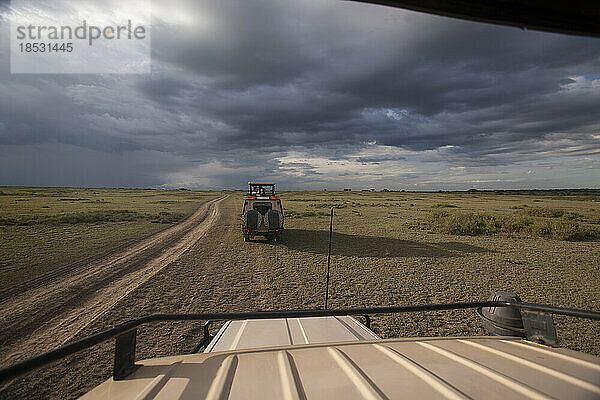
(425, 368)
(251, 334)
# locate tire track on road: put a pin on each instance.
(9, 292)
(48, 316)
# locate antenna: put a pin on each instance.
(328, 259)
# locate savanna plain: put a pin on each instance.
(76, 261)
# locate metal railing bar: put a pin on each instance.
(23, 367)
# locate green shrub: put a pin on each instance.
(471, 223)
(565, 230)
(515, 223)
(90, 217)
(547, 212)
(542, 228)
(595, 219)
(302, 200)
(166, 218)
(326, 205)
(519, 207)
(8, 221)
(463, 223)
(309, 213)
(72, 199)
(443, 205)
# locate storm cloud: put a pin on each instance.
(313, 94)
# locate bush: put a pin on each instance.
(310, 213)
(462, 223)
(90, 217)
(547, 212)
(519, 207)
(302, 200)
(328, 205)
(443, 205)
(166, 218)
(516, 223)
(565, 230)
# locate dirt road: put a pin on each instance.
(219, 272)
(57, 308)
(387, 265)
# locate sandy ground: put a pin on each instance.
(206, 266)
(53, 309)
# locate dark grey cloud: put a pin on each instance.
(313, 91)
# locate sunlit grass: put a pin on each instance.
(45, 228)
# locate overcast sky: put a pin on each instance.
(313, 94)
